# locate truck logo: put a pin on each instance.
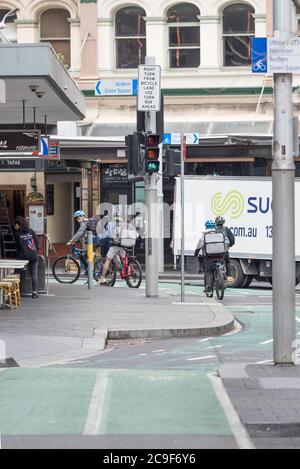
(233, 202)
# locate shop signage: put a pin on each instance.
(19, 142)
(114, 174)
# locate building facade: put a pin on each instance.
(204, 50)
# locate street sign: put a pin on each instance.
(283, 55)
(259, 55)
(116, 88)
(149, 89)
(175, 139)
(19, 142)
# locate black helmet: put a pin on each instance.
(220, 221)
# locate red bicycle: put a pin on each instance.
(129, 269)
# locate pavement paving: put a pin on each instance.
(74, 322)
(267, 400)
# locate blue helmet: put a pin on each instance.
(79, 213)
(210, 224)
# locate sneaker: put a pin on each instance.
(35, 295)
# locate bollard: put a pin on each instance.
(90, 259)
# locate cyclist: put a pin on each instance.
(112, 233)
(86, 224)
(208, 261)
(220, 227)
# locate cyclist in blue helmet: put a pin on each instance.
(80, 217)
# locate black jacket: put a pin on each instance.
(27, 245)
(228, 234)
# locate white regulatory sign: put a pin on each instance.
(149, 88)
(284, 56)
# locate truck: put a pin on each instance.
(246, 205)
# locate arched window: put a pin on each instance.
(55, 28)
(130, 37)
(238, 28)
(184, 36)
(11, 27)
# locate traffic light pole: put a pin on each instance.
(283, 174)
(151, 200)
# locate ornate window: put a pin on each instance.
(55, 28)
(238, 29)
(184, 36)
(130, 37)
(11, 27)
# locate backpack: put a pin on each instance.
(28, 245)
(91, 225)
(215, 243)
(123, 234)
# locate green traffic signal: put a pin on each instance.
(152, 166)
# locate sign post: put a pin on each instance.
(283, 176)
(149, 101)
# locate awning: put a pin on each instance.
(34, 74)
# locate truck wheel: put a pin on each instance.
(246, 283)
(237, 274)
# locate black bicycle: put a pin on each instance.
(218, 279)
(69, 268)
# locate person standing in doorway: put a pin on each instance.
(27, 249)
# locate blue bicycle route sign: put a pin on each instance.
(259, 58)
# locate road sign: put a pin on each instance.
(149, 90)
(175, 139)
(19, 142)
(283, 55)
(259, 55)
(116, 88)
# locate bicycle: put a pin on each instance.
(129, 269)
(218, 279)
(68, 269)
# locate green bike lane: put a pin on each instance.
(142, 400)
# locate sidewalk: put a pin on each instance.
(267, 399)
(74, 322)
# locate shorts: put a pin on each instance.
(113, 250)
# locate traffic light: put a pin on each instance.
(152, 153)
(133, 153)
(173, 162)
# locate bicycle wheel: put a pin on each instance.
(219, 284)
(208, 294)
(134, 277)
(110, 276)
(98, 267)
(66, 269)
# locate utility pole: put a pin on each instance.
(283, 178)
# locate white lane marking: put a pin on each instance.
(158, 351)
(143, 354)
(200, 358)
(96, 407)
(264, 362)
(267, 342)
(239, 432)
(204, 340)
(214, 347)
(196, 304)
(297, 319)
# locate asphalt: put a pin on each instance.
(74, 322)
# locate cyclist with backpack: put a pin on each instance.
(220, 227)
(213, 248)
(86, 224)
(113, 232)
(27, 247)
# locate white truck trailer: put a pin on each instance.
(246, 205)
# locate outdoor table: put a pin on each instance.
(9, 264)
